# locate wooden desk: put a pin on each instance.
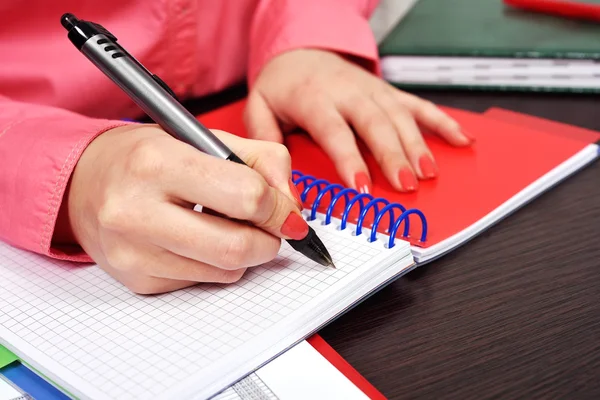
(515, 313)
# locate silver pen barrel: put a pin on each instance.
(148, 92)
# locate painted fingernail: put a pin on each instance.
(468, 135)
(408, 180)
(428, 167)
(362, 182)
(295, 193)
(294, 227)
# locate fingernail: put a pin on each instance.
(295, 193)
(407, 180)
(468, 135)
(362, 182)
(294, 227)
(428, 167)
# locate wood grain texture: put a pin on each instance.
(515, 313)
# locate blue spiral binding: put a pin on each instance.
(365, 201)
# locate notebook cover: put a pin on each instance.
(488, 28)
(552, 127)
(472, 181)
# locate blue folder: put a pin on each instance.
(31, 383)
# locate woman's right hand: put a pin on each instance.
(131, 199)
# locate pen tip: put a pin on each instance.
(312, 247)
(328, 260)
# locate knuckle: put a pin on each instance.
(112, 215)
(403, 113)
(414, 143)
(429, 107)
(145, 159)
(337, 129)
(303, 88)
(359, 101)
(231, 276)
(375, 122)
(280, 153)
(236, 250)
(122, 259)
(143, 285)
(429, 110)
(391, 158)
(255, 194)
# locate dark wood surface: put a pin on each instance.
(515, 313)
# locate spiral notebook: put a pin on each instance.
(91, 336)
(507, 167)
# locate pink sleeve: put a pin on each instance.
(336, 25)
(39, 147)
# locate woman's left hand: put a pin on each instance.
(328, 96)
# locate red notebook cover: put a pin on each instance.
(553, 127)
(472, 181)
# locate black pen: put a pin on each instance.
(159, 102)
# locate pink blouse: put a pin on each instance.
(54, 102)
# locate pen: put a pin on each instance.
(159, 102)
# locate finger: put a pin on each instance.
(150, 284)
(231, 189)
(318, 115)
(127, 264)
(166, 265)
(410, 136)
(204, 238)
(178, 272)
(259, 119)
(151, 269)
(271, 160)
(378, 132)
(432, 118)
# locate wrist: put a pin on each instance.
(64, 236)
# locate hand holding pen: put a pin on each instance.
(136, 220)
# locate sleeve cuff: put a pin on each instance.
(285, 26)
(51, 147)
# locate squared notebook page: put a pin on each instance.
(87, 333)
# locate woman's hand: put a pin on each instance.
(328, 97)
(131, 201)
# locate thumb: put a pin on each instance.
(260, 121)
(279, 215)
(271, 160)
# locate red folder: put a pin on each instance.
(342, 365)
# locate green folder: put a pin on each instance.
(487, 29)
(6, 357)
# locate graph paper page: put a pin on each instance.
(96, 339)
